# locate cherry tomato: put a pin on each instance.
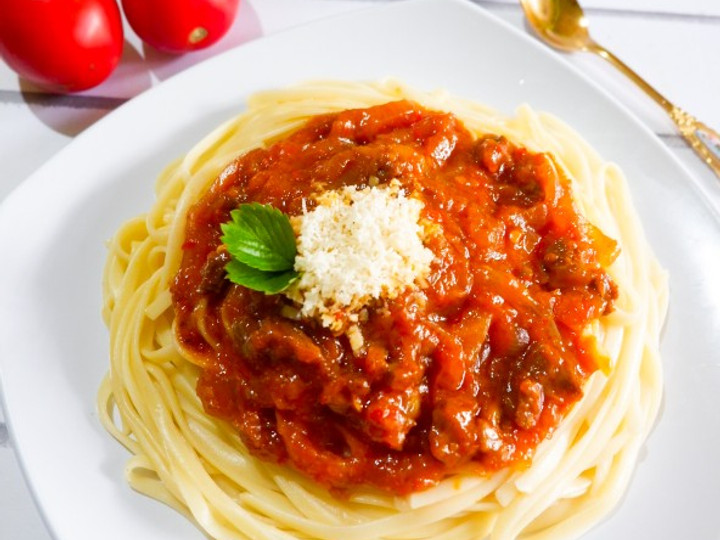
(178, 26)
(61, 44)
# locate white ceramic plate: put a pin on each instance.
(53, 345)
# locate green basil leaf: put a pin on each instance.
(259, 280)
(261, 237)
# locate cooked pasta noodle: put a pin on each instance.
(197, 463)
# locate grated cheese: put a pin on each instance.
(356, 247)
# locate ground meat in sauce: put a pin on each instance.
(469, 373)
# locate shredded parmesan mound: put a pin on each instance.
(355, 247)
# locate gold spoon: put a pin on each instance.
(562, 24)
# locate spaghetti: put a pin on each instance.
(199, 464)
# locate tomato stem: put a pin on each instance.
(197, 35)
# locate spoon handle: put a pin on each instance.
(703, 139)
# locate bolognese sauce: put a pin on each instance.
(469, 372)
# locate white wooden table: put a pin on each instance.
(672, 44)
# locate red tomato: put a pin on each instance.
(62, 44)
(179, 26)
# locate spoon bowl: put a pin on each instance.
(561, 23)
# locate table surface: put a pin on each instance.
(673, 44)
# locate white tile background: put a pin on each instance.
(674, 44)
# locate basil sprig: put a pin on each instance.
(262, 247)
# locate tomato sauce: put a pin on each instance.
(471, 372)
